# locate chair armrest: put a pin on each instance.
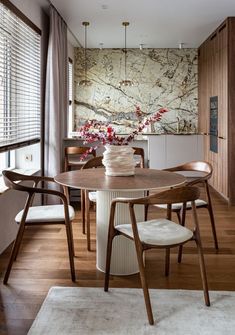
(173, 169)
(38, 179)
(140, 201)
(43, 178)
(195, 181)
(48, 191)
(14, 176)
(38, 190)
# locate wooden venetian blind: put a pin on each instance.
(19, 79)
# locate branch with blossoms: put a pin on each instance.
(104, 133)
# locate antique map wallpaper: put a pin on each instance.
(161, 78)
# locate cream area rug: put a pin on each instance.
(89, 311)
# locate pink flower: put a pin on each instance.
(103, 132)
(109, 129)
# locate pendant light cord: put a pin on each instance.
(85, 59)
(125, 55)
(85, 24)
(125, 82)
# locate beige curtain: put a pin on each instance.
(56, 94)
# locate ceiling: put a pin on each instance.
(154, 23)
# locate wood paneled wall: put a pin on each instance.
(216, 75)
(231, 109)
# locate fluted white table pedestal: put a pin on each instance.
(124, 260)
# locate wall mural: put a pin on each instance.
(161, 77)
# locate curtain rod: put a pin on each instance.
(51, 4)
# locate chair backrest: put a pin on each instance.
(13, 180)
(169, 197)
(197, 166)
(139, 152)
(77, 153)
(10, 179)
(94, 163)
(176, 195)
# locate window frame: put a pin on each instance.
(70, 97)
(24, 142)
(8, 163)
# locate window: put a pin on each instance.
(19, 80)
(7, 160)
(70, 85)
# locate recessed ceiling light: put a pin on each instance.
(181, 45)
(104, 6)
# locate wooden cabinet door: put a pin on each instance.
(223, 111)
(203, 89)
(213, 81)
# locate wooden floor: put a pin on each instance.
(43, 263)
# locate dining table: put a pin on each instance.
(124, 259)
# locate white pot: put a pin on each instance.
(119, 160)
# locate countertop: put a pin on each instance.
(138, 137)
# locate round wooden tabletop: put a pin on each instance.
(144, 179)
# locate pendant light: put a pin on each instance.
(85, 81)
(125, 82)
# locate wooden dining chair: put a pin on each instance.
(72, 161)
(157, 233)
(206, 169)
(139, 153)
(39, 215)
(90, 196)
(72, 157)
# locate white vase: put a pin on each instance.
(119, 160)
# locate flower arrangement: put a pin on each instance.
(104, 133)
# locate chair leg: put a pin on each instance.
(108, 261)
(213, 227)
(181, 219)
(203, 272)
(18, 249)
(83, 211)
(66, 193)
(87, 219)
(144, 285)
(18, 246)
(71, 234)
(167, 262)
(70, 250)
(14, 252)
(146, 207)
(178, 216)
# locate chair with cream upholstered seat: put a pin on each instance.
(139, 157)
(73, 161)
(90, 196)
(72, 157)
(206, 170)
(158, 233)
(39, 215)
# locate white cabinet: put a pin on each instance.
(165, 151)
(157, 151)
